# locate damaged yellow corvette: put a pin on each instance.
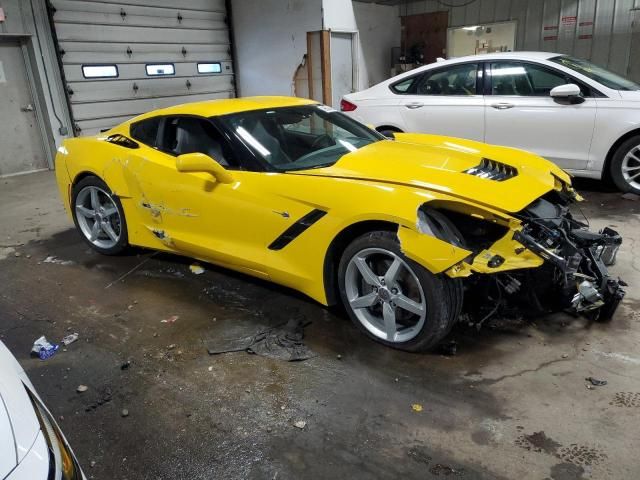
(407, 232)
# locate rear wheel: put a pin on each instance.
(98, 216)
(393, 299)
(625, 166)
(388, 131)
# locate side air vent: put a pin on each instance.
(492, 170)
(122, 141)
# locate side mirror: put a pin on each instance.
(199, 163)
(565, 91)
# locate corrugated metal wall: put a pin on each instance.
(600, 31)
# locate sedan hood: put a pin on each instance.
(18, 423)
(445, 164)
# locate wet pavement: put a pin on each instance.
(512, 403)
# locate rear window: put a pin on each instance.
(146, 131)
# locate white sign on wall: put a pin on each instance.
(3, 79)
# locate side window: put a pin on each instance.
(455, 80)
(403, 86)
(528, 80)
(183, 135)
(146, 131)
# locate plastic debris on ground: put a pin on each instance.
(595, 382)
(82, 388)
(196, 269)
(416, 407)
(300, 424)
(57, 261)
(171, 319)
(69, 339)
(43, 349)
(282, 342)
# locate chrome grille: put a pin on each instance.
(492, 170)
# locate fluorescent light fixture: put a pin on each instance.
(251, 140)
(209, 67)
(99, 71)
(499, 72)
(157, 69)
(472, 28)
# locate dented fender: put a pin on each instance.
(432, 253)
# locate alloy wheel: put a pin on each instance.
(385, 295)
(631, 167)
(98, 217)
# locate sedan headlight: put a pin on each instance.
(62, 463)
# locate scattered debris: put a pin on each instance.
(449, 348)
(125, 412)
(630, 196)
(282, 342)
(565, 355)
(339, 357)
(595, 382)
(43, 349)
(172, 346)
(171, 319)
(69, 339)
(416, 407)
(92, 464)
(57, 261)
(125, 365)
(300, 424)
(17, 254)
(445, 470)
(210, 368)
(125, 275)
(196, 269)
(82, 388)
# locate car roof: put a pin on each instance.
(501, 55)
(213, 108)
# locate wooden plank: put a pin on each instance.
(310, 60)
(325, 54)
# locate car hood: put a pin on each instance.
(18, 423)
(439, 163)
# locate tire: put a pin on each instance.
(388, 131)
(111, 236)
(622, 160)
(435, 301)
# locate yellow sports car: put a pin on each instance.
(400, 229)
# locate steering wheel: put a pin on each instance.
(318, 142)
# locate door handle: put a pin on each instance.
(502, 106)
(27, 108)
(415, 105)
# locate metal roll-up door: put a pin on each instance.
(123, 58)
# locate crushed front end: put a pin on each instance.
(543, 260)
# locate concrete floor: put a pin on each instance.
(511, 404)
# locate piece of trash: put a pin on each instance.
(210, 368)
(125, 412)
(125, 365)
(172, 346)
(92, 464)
(171, 319)
(17, 254)
(82, 388)
(57, 261)
(595, 382)
(69, 339)
(339, 357)
(589, 386)
(43, 349)
(630, 196)
(300, 424)
(450, 348)
(196, 269)
(565, 355)
(416, 407)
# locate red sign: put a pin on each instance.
(552, 37)
(584, 37)
(569, 20)
(585, 24)
(551, 27)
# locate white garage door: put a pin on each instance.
(123, 58)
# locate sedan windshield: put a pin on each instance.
(299, 138)
(594, 72)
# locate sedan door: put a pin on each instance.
(446, 101)
(520, 113)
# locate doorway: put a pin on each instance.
(343, 65)
(633, 70)
(20, 135)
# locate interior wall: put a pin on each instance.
(270, 42)
(30, 17)
(379, 31)
(598, 30)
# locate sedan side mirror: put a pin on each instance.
(570, 91)
(199, 163)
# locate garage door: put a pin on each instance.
(123, 58)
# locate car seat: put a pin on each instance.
(191, 137)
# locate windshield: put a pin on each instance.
(594, 72)
(298, 138)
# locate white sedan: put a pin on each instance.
(31, 444)
(576, 114)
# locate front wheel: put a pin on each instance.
(98, 216)
(625, 166)
(391, 298)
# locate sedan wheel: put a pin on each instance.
(98, 215)
(631, 167)
(625, 166)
